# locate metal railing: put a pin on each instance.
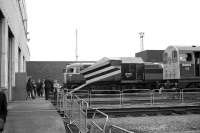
(68, 106)
(166, 96)
(133, 97)
(59, 101)
(79, 113)
(116, 98)
(117, 129)
(95, 126)
(75, 108)
(188, 96)
(108, 97)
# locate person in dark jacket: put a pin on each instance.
(29, 89)
(3, 110)
(48, 87)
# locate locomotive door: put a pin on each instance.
(197, 63)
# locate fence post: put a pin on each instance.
(90, 95)
(80, 105)
(152, 97)
(72, 100)
(86, 115)
(182, 98)
(121, 97)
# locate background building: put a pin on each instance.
(151, 55)
(14, 51)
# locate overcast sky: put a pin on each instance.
(109, 28)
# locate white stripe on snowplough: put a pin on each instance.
(99, 71)
(103, 76)
(96, 79)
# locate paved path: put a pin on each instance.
(33, 116)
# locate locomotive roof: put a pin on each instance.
(189, 48)
(106, 60)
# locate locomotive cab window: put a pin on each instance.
(189, 57)
(186, 57)
(174, 56)
(70, 70)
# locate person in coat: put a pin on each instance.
(3, 110)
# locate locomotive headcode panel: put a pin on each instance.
(187, 67)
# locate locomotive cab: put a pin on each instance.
(181, 62)
(72, 75)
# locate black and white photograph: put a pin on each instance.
(99, 66)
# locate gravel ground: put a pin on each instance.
(159, 124)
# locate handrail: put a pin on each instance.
(105, 90)
(119, 128)
(136, 90)
(102, 113)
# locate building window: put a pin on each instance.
(19, 59)
(24, 64)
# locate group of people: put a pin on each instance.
(34, 89)
(41, 88)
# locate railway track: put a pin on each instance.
(148, 111)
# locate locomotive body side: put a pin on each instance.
(132, 70)
(153, 71)
(182, 66)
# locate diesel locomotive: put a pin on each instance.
(180, 68)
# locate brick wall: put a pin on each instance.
(52, 70)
